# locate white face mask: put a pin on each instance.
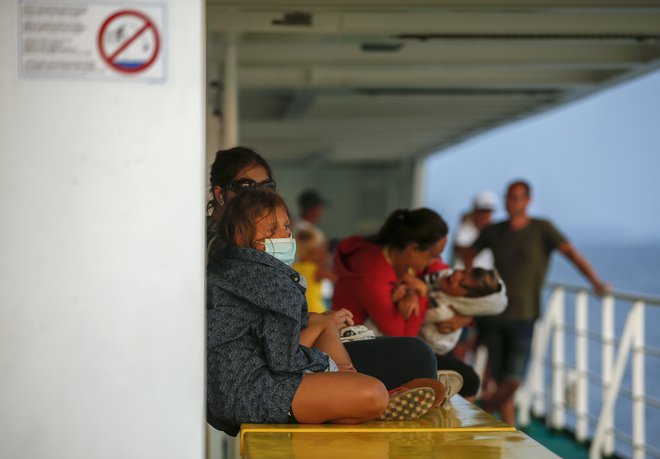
(282, 248)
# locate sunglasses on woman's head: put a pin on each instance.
(249, 184)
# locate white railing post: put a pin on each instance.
(608, 365)
(542, 330)
(532, 393)
(581, 364)
(639, 426)
(558, 418)
(607, 407)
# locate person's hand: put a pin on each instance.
(347, 367)
(601, 288)
(415, 283)
(324, 273)
(398, 292)
(408, 305)
(453, 324)
(341, 318)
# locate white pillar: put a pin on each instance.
(418, 182)
(230, 93)
(102, 267)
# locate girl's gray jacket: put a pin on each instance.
(255, 310)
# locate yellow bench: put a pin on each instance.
(463, 431)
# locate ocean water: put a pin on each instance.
(628, 269)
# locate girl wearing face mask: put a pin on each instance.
(264, 364)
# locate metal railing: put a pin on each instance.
(572, 382)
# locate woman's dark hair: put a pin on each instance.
(485, 282)
(230, 162)
(240, 217)
(421, 226)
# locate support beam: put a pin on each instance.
(583, 23)
(230, 93)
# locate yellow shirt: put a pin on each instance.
(313, 294)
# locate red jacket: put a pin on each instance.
(364, 286)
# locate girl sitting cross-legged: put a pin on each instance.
(266, 362)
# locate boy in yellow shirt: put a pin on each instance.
(311, 256)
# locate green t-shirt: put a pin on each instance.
(521, 257)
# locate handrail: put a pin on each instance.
(550, 338)
(619, 294)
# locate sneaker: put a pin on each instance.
(407, 404)
(355, 333)
(453, 382)
(439, 389)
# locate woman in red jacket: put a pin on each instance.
(377, 280)
(370, 271)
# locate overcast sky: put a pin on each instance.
(594, 166)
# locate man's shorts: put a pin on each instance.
(509, 342)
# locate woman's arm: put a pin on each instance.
(457, 322)
(376, 296)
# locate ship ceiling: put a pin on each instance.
(361, 81)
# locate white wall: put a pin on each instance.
(102, 257)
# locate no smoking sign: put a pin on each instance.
(129, 42)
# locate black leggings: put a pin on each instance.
(393, 360)
(470, 378)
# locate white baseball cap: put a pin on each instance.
(485, 200)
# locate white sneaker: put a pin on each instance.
(453, 382)
(355, 333)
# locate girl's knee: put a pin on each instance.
(375, 398)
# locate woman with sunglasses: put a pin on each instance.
(234, 170)
(241, 169)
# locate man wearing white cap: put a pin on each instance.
(471, 225)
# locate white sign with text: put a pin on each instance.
(120, 41)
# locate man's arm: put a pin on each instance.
(468, 254)
(583, 265)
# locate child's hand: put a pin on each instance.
(346, 367)
(341, 318)
(415, 283)
(408, 305)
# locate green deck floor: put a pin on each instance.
(560, 443)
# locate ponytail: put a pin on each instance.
(421, 226)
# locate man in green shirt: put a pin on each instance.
(521, 247)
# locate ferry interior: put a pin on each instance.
(351, 97)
